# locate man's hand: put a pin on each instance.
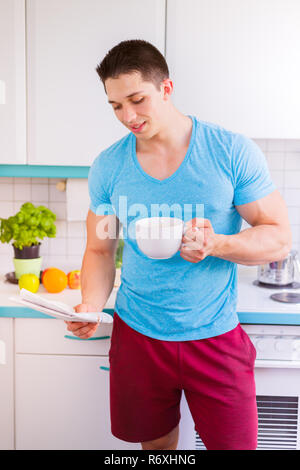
(199, 240)
(81, 329)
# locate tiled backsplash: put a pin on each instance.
(67, 248)
(283, 158)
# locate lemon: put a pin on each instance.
(30, 282)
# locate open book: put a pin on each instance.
(58, 309)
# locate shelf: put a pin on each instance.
(44, 171)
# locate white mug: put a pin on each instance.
(159, 237)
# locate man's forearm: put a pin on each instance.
(255, 245)
(97, 278)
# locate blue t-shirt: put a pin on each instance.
(175, 299)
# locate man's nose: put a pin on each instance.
(129, 115)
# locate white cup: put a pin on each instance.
(159, 237)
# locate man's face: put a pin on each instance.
(136, 103)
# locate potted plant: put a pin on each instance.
(119, 254)
(25, 229)
(118, 262)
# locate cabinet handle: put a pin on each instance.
(96, 338)
(104, 368)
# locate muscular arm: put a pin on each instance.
(269, 238)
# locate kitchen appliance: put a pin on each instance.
(277, 375)
(292, 285)
(287, 297)
(280, 273)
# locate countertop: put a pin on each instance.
(254, 303)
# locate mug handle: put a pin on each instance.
(185, 228)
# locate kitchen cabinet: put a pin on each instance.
(12, 82)
(69, 119)
(62, 402)
(48, 336)
(54, 390)
(7, 384)
(237, 63)
(62, 387)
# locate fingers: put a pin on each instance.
(186, 257)
(75, 325)
(81, 329)
(87, 332)
(199, 222)
(193, 240)
(190, 245)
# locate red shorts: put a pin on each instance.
(147, 377)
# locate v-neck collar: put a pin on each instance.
(179, 169)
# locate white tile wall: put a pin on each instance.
(68, 246)
(283, 157)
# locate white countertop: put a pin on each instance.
(68, 296)
(250, 298)
(257, 299)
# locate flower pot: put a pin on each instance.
(27, 252)
(27, 260)
(27, 266)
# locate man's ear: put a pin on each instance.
(167, 88)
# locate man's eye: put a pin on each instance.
(137, 102)
(134, 102)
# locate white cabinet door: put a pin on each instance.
(237, 63)
(6, 384)
(62, 402)
(69, 119)
(12, 82)
(50, 336)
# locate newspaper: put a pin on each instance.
(58, 310)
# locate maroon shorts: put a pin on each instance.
(147, 377)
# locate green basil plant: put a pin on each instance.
(28, 226)
(119, 254)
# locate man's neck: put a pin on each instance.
(174, 134)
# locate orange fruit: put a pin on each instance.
(74, 279)
(44, 273)
(54, 280)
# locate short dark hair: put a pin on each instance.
(134, 55)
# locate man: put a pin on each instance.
(175, 322)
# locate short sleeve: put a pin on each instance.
(251, 175)
(98, 179)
